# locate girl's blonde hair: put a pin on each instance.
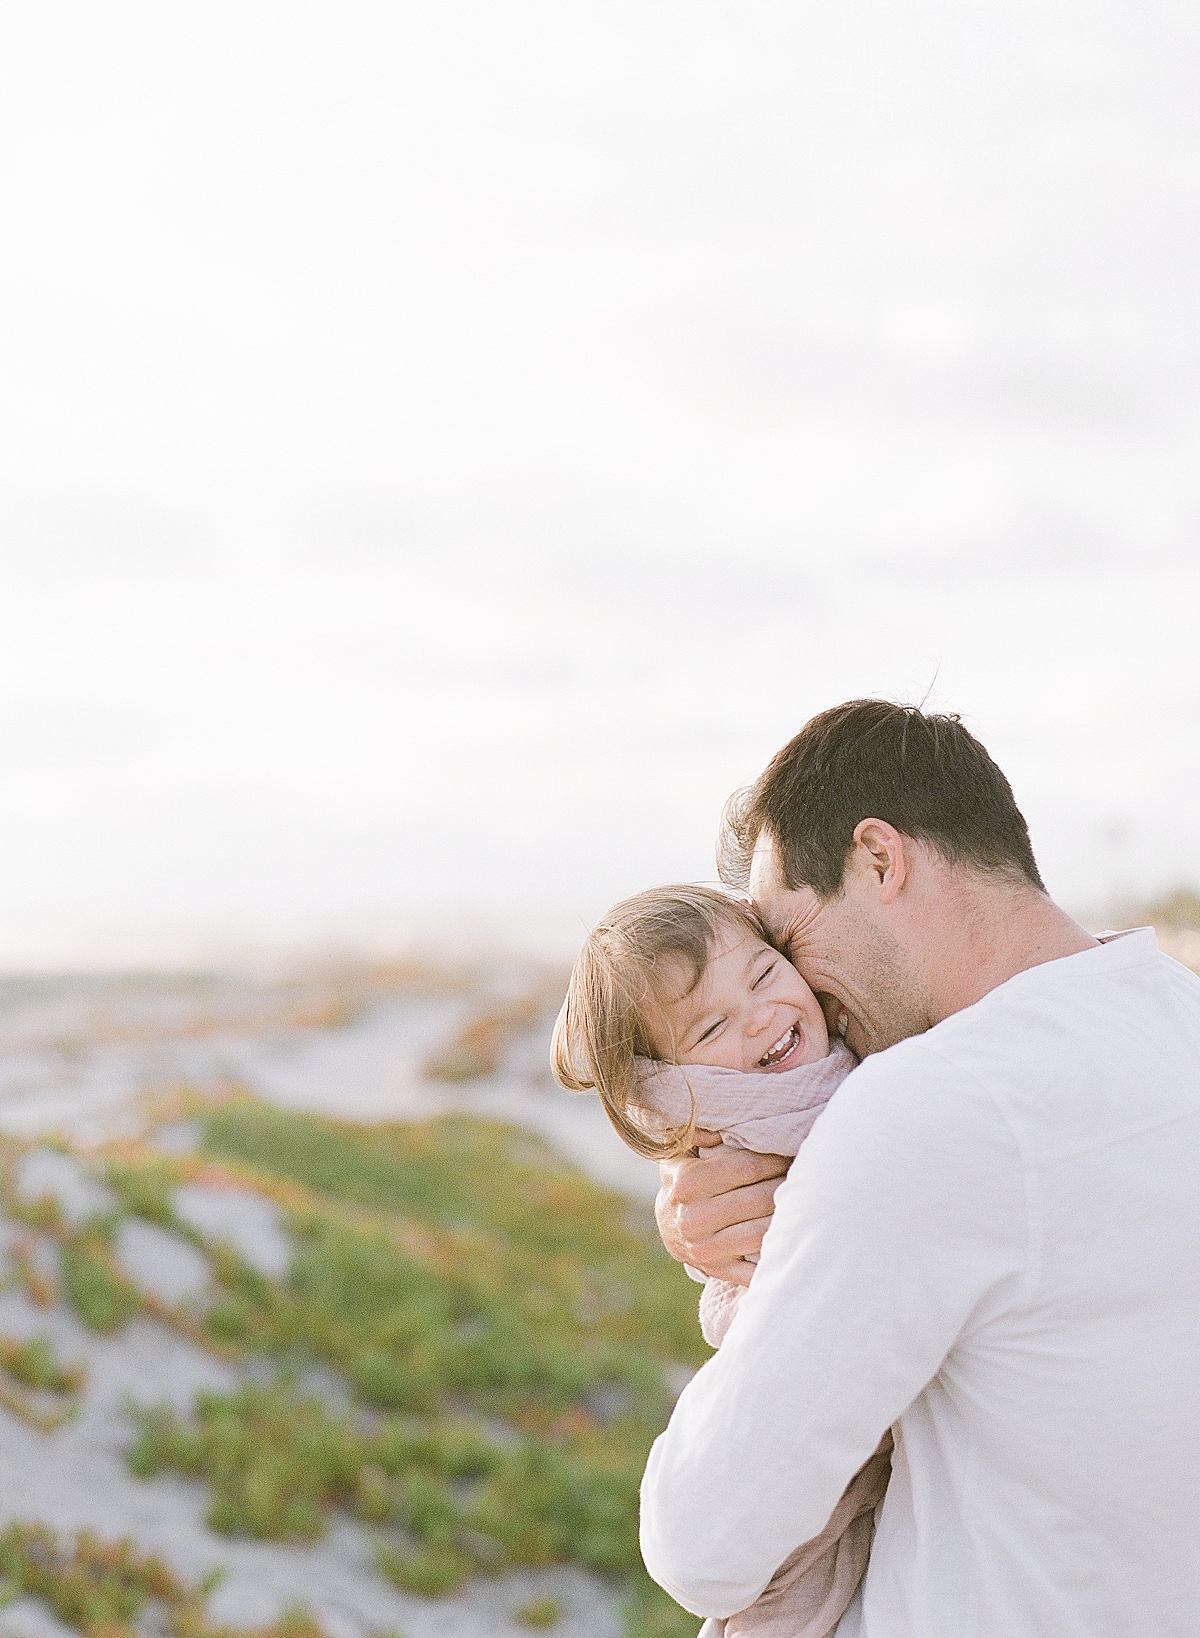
(613, 1014)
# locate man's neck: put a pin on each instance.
(1001, 931)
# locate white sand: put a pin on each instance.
(76, 1477)
(66, 1067)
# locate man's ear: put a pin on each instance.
(879, 853)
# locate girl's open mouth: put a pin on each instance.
(782, 1050)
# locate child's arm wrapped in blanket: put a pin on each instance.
(810, 1592)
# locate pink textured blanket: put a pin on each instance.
(769, 1111)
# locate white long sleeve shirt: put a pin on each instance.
(991, 1241)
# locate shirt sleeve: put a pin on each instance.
(901, 1224)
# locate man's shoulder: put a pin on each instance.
(1076, 1053)
(910, 1127)
(913, 1097)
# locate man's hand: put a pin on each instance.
(712, 1212)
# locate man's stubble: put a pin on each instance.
(876, 986)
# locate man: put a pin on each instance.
(990, 1242)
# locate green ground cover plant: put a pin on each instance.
(93, 1586)
(592, 1265)
(101, 1588)
(32, 1362)
(276, 1460)
(540, 1613)
(93, 1285)
(35, 1385)
(147, 1190)
(100, 1295)
(504, 1327)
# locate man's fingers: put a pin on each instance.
(712, 1209)
(698, 1221)
(713, 1232)
(728, 1254)
(689, 1178)
(732, 1253)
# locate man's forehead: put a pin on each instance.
(786, 911)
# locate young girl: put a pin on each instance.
(683, 1018)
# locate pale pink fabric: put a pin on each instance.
(773, 1114)
(769, 1112)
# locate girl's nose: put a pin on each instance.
(762, 1019)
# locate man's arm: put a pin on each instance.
(712, 1212)
(904, 1209)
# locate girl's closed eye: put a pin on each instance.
(710, 1032)
(764, 975)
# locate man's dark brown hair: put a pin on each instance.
(869, 759)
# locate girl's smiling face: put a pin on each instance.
(751, 1010)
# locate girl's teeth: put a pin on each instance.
(785, 1040)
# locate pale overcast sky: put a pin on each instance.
(444, 449)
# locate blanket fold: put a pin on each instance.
(811, 1591)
